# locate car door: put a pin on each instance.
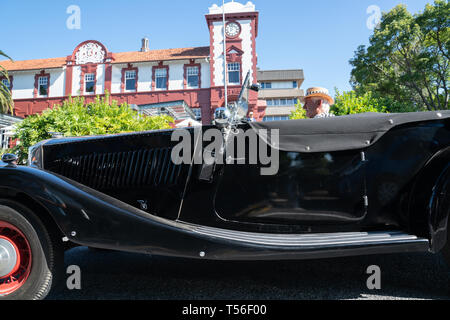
(309, 188)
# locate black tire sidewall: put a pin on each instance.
(39, 280)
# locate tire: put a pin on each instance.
(441, 205)
(444, 255)
(41, 257)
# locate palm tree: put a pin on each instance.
(6, 101)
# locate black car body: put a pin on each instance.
(352, 185)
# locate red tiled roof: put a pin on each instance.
(159, 55)
(121, 57)
(33, 64)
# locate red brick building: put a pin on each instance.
(194, 76)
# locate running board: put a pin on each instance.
(319, 240)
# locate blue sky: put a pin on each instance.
(317, 36)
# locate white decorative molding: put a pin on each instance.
(90, 52)
(218, 54)
(247, 47)
(233, 7)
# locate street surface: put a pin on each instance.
(116, 275)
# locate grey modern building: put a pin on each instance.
(281, 91)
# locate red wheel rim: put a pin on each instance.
(19, 274)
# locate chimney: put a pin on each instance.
(145, 45)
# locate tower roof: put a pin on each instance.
(233, 7)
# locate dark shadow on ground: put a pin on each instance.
(116, 275)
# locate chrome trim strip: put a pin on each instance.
(310, 240)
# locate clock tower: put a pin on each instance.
(241, 30)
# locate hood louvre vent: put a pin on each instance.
(146, 167)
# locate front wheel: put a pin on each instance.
(29, 256)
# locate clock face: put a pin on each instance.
(232, 29)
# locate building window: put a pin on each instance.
(192, 74)
(266, 85)
(130, 80)
(294, 84)
(161, 78)
(43, 86)
(6, 83)
(234, 73)
(275, 118)
(89, 83)
(282, 102)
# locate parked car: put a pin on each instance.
(351, 185)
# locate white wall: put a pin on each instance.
(218, 53)
(206, 74)
(116, 78)
(57, 82)
(145, 77)
(76, 81)
(176, 75)
(23, 81)
(247, 58)
(100, 80)
(23, 85)
(247, 47)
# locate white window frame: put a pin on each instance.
(130, 75)
(234, 67)
(91, 77)
(41, 82)
(193, 71)
(161, 73)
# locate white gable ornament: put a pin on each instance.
(90, 52)
(233, 7)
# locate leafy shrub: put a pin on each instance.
(298, 113)
(348, 102)
(75, 118)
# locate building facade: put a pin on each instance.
(7, 129)
(194, 76)
(280, 89)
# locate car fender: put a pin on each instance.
(429, 201)
(439, 210)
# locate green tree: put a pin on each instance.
(76, 118)
(6, 102)
(350, 103)
(407, 59)
(299, 112)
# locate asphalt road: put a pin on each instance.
(116, 275)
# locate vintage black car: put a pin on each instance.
(351, 185)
